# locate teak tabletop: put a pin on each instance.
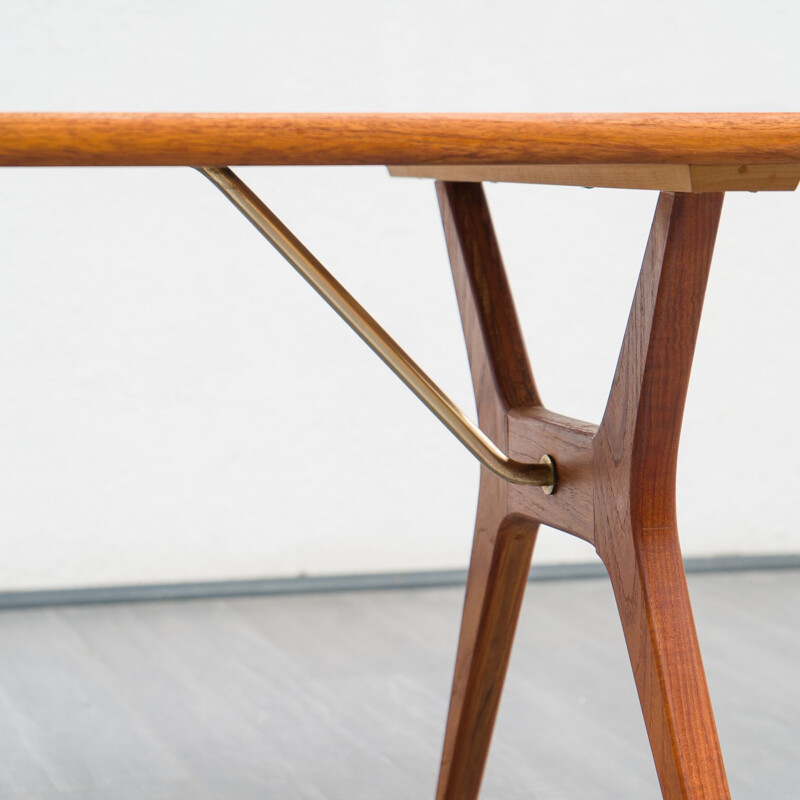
(611, 484)
(42, 139)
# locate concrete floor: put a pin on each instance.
(344, 695)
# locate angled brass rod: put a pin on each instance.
(347, 307)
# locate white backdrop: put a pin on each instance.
(176, 404)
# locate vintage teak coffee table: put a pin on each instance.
(612, 484)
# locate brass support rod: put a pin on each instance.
(347, 307)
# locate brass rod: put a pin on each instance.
(347, 307)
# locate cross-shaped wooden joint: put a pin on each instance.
(616, 490)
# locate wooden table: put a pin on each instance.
(611, 484)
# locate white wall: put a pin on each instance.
(175, 404)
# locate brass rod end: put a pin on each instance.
(550, 488)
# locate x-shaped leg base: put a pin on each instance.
(616, 490)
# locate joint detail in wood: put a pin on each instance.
(542, 473)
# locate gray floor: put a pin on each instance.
(344, 695)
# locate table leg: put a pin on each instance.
(636, 531)
(503, 543)
(616, 489)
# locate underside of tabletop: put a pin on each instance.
(661, 177)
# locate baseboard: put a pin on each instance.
(350, 583)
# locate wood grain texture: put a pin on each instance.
(745, 178)
(636, 532)
(616, 489)
(662, 177)
(503, 543)
(570, 443)
(46, 139)
(668, 177)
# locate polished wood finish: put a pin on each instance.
(503, 542)
(636, 450)
(616, 490)
(46, 139)
(663, 177)
(570, 443)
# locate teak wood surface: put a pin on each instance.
(69, 139)
(616, 480)
(664, 177)
(616, 490)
